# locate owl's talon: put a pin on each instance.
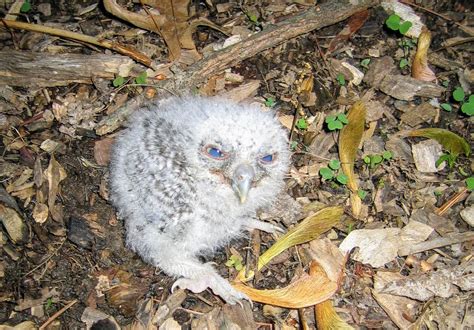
(213, 281)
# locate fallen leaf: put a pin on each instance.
(380, 246)
(349, 140)
(309, 229)
(55, 173)
(425, 155)
(442, 283)
(306, 291)
(14, 225)
(354, 23)
(40, 212)
(327, 318)
(420, 69)
(452, 142)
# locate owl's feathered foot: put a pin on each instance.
(267, 227)
(213, 281)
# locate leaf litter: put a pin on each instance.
(395, 235)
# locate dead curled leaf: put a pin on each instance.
(306, 291)
(349, 140)
(297, 294)
(420, 69)
(452, 142)
(327, 318)
(55, 173)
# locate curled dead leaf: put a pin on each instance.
(327, 318)
(420, 69)
(306, 291)
(40, 212)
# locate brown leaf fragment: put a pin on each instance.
(14, 225)
(102, 151)
(40, 212)
(420, 69)
(354, 23)
(442, 283)
(55, 173)
(397, 308)
(94, 318)
(406, 88)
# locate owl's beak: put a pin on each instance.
(242, 181)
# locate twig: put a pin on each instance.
(57, 314)
(137, 56)
(455, 199)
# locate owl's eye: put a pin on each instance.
(215, 153)
(268, 159)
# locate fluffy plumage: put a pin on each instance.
(188, 176)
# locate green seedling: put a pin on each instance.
(118, 81)
(375, 160)
(141, 78)
(467, 103)
(336, 122)
(235, 261)
(302, 124)
(394, 22)
(365, 63)
(447, 158)
(25, 7)
(340, 79)
(403, 63)
(270, 102)
(333, 173)
(470, 183)
(361, 193)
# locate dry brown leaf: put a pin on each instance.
(40, 212)
(354, 23)
(306, 291)
(55, 173)
(349, 140)
(420, 69)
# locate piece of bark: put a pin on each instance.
(311, 19)
(20, 68)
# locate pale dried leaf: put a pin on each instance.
(40, 212)
(420, 69)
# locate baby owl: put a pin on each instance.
(188, 175)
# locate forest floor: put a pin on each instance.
(63, 259)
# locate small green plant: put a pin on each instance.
(118, 81)
(340, 79)
(333, 172)
(336, 122)
(394, 22)
(293, 145)
(447, 158)
(467, 104)
(141, 78)
(302, 124)
(26, 6)
(49, 304)
(362, 193)
(235, 261)
(470, 183)
(365, 63)
(403, 63)
(374, 160)
(270, 102)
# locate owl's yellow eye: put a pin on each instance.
(215, 153)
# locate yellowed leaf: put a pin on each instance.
(420, 69)
(306, 291)
(327, 318)
(349, 140)
(309, 229)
